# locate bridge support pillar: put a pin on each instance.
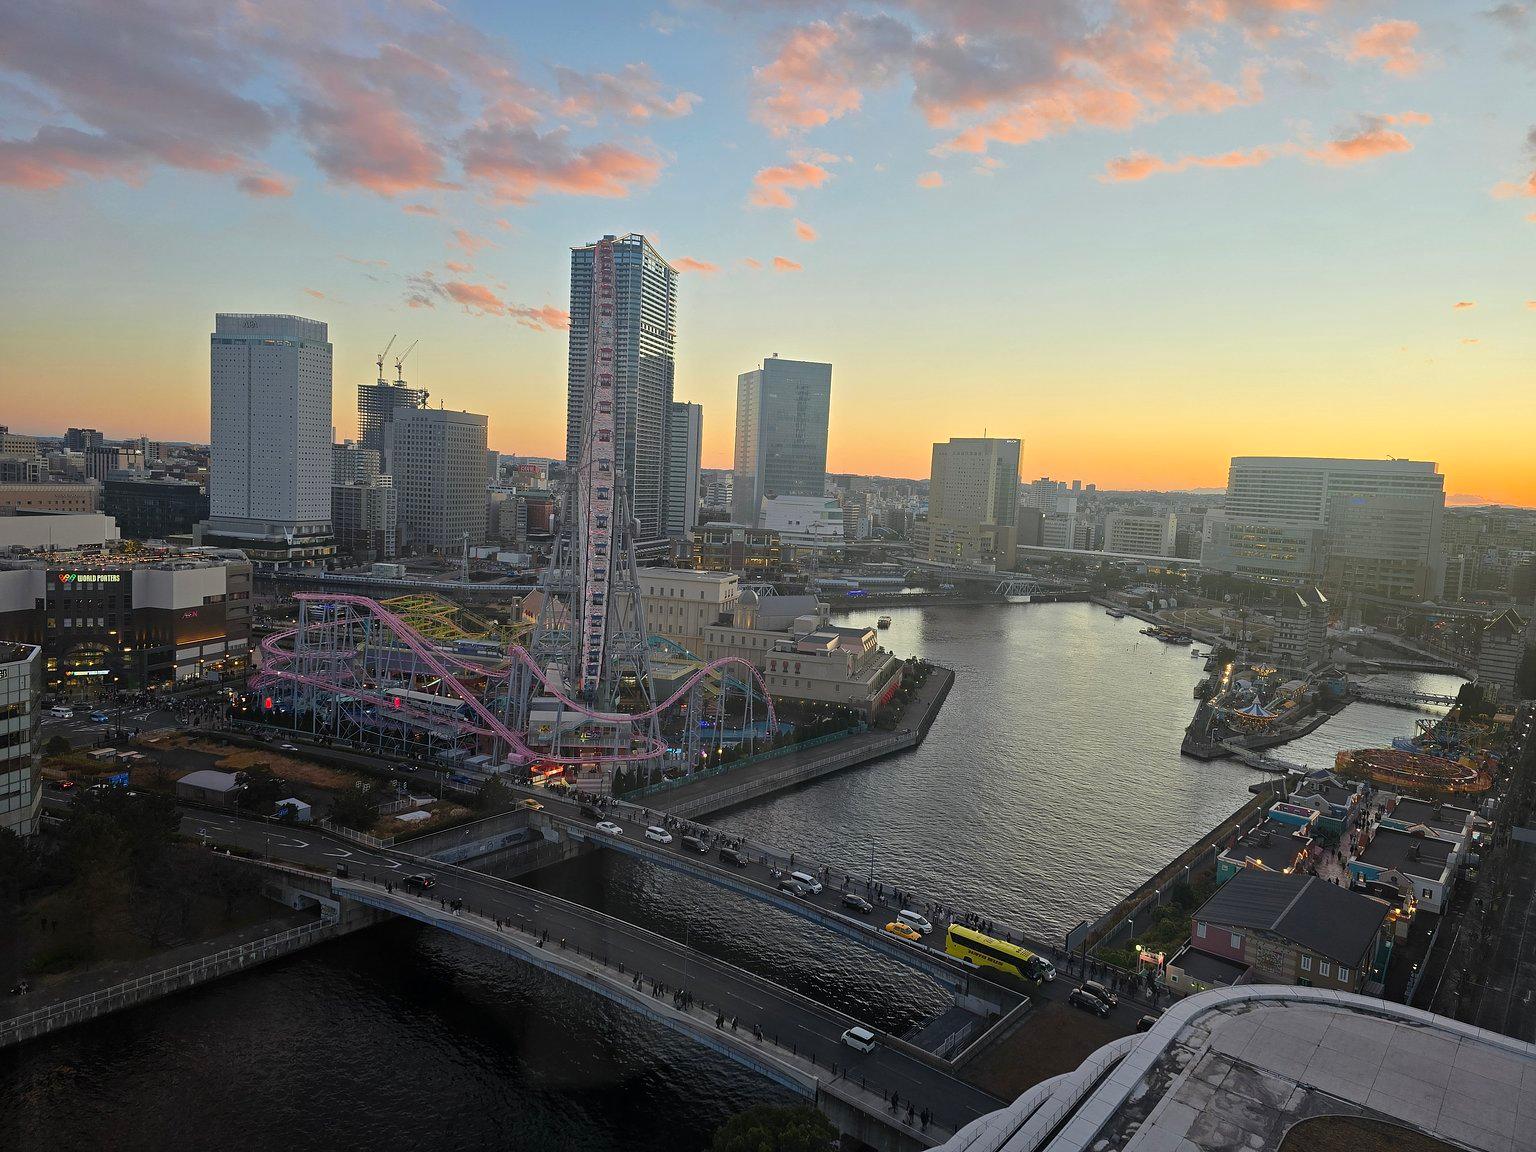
(860, 1130)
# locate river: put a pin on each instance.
(1050, 786)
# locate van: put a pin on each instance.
(915, 920)
(695, 844)
(859, 1039)
(59, 712)
(731, 856)
(807, 881)
(660, 835)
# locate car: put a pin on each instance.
(1088, 1002)
(1094, 988)
(659, 835)
(915, 920)
(59, 712)
(695, 844)
(287, 747)
(1040, 969)
(732, 857)
(100, 718)
(530, 805)
(592, 811)
(857, 903)
(860, 1039)
(807, 881)
(791, 888)
(1146, 1023)
(904, 931)
(609, 828)
(421, 880)
(63, 785)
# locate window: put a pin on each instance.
(1324, 968)
(1306, 963)
(1237, 941)
(1428, 894)
(1200, 930)
(1343, 975)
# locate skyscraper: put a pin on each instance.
(439, 477)
(782, 410)
(270, 457)
(1368, 526)
(685, 436)
(645, 318)
(973, 500)
(377, 404)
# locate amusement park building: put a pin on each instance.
(681, 603)
(1422, 868)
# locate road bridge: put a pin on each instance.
(1400, 698)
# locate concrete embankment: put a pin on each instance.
(696, 798)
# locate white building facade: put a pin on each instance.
(438, 462)
(21, 696)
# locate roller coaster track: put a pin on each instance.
(278, 660)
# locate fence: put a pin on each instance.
(756, 758)
(129, 992)
(355, 836)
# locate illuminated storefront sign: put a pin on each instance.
(90, 577)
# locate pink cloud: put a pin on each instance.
(1371, 139)
(1391, 42)
(315, 292)
(751, 265)
(1140, 165)
(1470, 340)
(420, 210)
(469, 242)
(1531, 304)
(424, 290)
(805, 232)
(930, 180)
(634, 94)
(1505, 189)
(1462, 305)
(360, 133)
(770, 186)
(257, 185)
(805, 85)
(689, 264)
(458, 266)
(517, 163)
(780, 264)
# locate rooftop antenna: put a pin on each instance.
(400, 359)
(383, 354)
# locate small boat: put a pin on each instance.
(1196, 654)
(1116, 613)
(883, 622)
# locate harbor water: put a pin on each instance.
(1050, 786)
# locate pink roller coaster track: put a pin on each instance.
(275, 667)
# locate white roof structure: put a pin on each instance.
(210, 780)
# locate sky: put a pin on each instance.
(1142, 236)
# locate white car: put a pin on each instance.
(609, 827)
(287, 747)
(660, 835)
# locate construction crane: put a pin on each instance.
(400, 359)
(383, 354)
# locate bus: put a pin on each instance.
(989, 952)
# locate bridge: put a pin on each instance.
(790, 1038)
(1400, 698)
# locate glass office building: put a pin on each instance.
(782, 409)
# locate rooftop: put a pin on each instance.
(1403, 851)
(1308, 910)
(1208, 969)
(1275, 846)
(1446, 817)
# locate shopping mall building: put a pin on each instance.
(125, 617)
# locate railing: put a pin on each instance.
(130, 991)
(756, 758)
(355, 836)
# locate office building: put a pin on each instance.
(22, 499)
(16, 446)
(725, 547)
(365, 518)
(645, 315)
(103, 460)
(782, 410)
(376, 405)
(1370, 526)
(973, 501)
(685, 441)
(1141, 533)
(1500, 649)
(114, 617)
(350, 461)
(1300, 638)
(269, 484)
(803, 522)
(21, 707)
(154, 509)
(83, 439)
(437, 459)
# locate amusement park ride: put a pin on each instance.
(579, 700)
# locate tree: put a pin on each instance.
(56, 746)
(769, 1128)
(496, 796)
(263, 789)
(357, 807)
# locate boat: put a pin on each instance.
(1114, 612)
(1196, 654)
(883, 622)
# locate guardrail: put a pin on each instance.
(355, 836)
(129, 992)
(756, 758)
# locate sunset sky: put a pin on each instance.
(1141, 235)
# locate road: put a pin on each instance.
(787, 1018)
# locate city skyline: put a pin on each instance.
(1173, 230)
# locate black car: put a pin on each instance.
(791, 887)
(1099, 992)
(593, 812)
(733, 857)
(857, 903)
(1146, 1023)
(695, 844)
(421, 880)
(1079, 998)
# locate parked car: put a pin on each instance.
(732, 857)
(659, 835)
(859, 1039)
(592, 812)
(1094, 988)
(791, 888)
(695, 844)
(915, 920)
(857, 903)
(609, 828)
(419, 880)
(1079, 998)
(807, 881)
(1146, 1023)
(904, 931)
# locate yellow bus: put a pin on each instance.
(990, 952)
